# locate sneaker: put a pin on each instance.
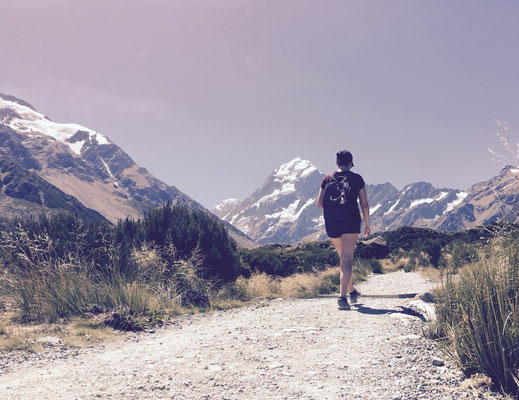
(343, 304)
(354, 296)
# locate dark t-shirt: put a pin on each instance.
(352, 184)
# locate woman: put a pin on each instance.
(338, 198)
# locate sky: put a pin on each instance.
(212, 95)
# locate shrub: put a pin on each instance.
(478, 314)
(375, 266)
(284, 260)
(186, 230)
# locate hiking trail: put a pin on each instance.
(281, 349)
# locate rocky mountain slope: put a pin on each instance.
(84, 164)
(496, 199)
(24, 194)
(283, 209)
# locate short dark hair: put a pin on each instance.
(344, 157)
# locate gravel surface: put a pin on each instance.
(281, 349)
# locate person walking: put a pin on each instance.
(338, 199)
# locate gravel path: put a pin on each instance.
(282, 349)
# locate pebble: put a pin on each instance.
(438, 362)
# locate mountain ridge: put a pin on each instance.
(418, 204)
(87, 165)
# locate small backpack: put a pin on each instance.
(337, 200)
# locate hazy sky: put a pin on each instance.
(211, 96)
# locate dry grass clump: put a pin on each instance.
(478, 314)
(260, 285)
(302, 285)
(264, 286)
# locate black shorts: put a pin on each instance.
(336, 227)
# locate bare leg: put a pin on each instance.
(345, 247)
(338, 248)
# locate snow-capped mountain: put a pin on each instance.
(417, 204)
(496, 199)
(283, 209)
(84, 164)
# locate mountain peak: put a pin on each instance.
(296, 168)
(24, 119)
(16, 100)
(226, 203)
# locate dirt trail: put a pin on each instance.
(283, 349)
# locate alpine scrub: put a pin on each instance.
(478, 314)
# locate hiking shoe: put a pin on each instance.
(354, 296)
(343, 304)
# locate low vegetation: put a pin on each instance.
(478, 312)
(140, 273)
(82, 277)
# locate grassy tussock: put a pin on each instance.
(302, 285)
(478, 315)
(153, 286)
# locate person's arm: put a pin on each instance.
(365, 210)
(320, 198)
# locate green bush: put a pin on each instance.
(59, 266)
(285, 260)
(375, 266)
(187, 230)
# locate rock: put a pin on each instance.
(373, 248)
(275, 365)
(411, 336)
(49, 340)
(426, 297)
(438, 362)
(426, 310)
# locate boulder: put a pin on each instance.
(373, 248)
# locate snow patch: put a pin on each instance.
(420, 201)
(442, 195)
(287, 188)
(101, 139)
(76, 146)
(294, 166)
(429, 200)
(460, 197)
(31, 122)
(235, 216)
(286, 214)
(373, 209)
(225, 202)
(289, 214)
(319, 221)
(116, 184)
(392, 207)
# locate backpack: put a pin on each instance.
(337, 200)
